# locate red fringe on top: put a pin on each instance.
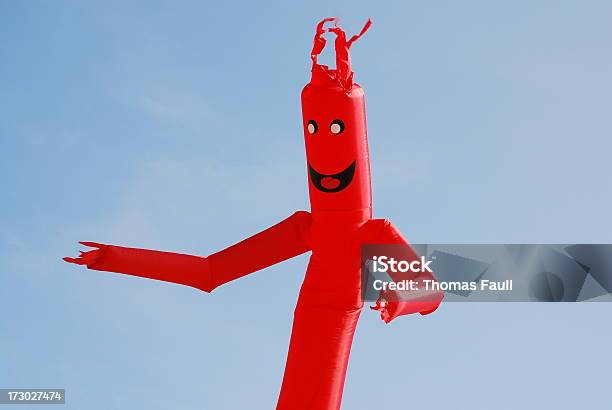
(342, 75)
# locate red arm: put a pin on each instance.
(398, 303)
(273, 245)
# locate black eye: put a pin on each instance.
(312, 127)
(336, 126)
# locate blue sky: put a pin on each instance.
(177, 127)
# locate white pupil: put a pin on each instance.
(311, 128)
(335, 128)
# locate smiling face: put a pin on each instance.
(332, 183)
(336, 147)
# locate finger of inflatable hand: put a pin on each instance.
(384, 313)
(84, 254)
(77, 261)
(380, 305)
(92, 244)
(385, 316)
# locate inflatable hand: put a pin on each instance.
(88, 258)
(394, 304)
(166, 266)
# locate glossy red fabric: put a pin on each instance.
(340, 221)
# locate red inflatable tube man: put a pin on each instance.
(339, 222)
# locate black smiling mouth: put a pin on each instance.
(334, 182)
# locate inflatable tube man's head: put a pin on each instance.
(333, 109)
